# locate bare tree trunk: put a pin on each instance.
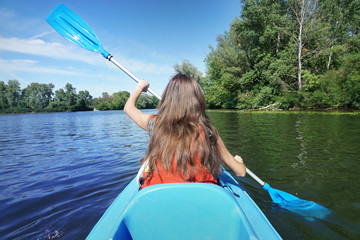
(306, 16)
(278, 43)
(299, 57)
(329, 61)
(331, 53)
(301, 21)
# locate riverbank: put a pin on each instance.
(293, 110)
(332, 110)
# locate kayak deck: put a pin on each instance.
(184, 211)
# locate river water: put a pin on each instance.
(60, 171)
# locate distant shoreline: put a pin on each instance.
(275, 110)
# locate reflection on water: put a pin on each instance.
(59, 172)
(302, 154)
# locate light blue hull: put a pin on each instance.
(184, 211)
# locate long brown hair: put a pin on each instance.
(177, 131)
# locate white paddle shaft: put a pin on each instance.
(111, 59)
(255, 177)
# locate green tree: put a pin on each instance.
(104, 102)
(59, 103)
(3, 99)
(70, 96)
(119, 99)
(13, 93)
(146, 101)
(65, 99)
(84, 101)
(38, 96)
(187, 68)
(225, 67)
(57, 106)
(60, 95)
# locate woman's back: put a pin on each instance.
(180, 141)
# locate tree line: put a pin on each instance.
(39, 97)
(287, 53)
(117, 101)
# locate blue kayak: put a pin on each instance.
(184, 211)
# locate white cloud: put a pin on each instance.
(42, 34)
(56, 50)
(38, 47)
(24, 65)
(146, 67)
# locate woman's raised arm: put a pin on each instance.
(140, 118)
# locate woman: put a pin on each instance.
(184, 146)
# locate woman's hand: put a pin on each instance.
(143, 85)
(239, 159)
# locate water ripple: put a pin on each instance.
(59, 172)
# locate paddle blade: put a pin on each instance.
(279, 196)
(75, 29)
(295, 204)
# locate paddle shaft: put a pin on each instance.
(111, 59)
(256, 178)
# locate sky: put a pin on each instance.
(148, 37)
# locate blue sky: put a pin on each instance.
(147, 37)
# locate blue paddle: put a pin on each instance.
(290, 202)
(75, 29)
